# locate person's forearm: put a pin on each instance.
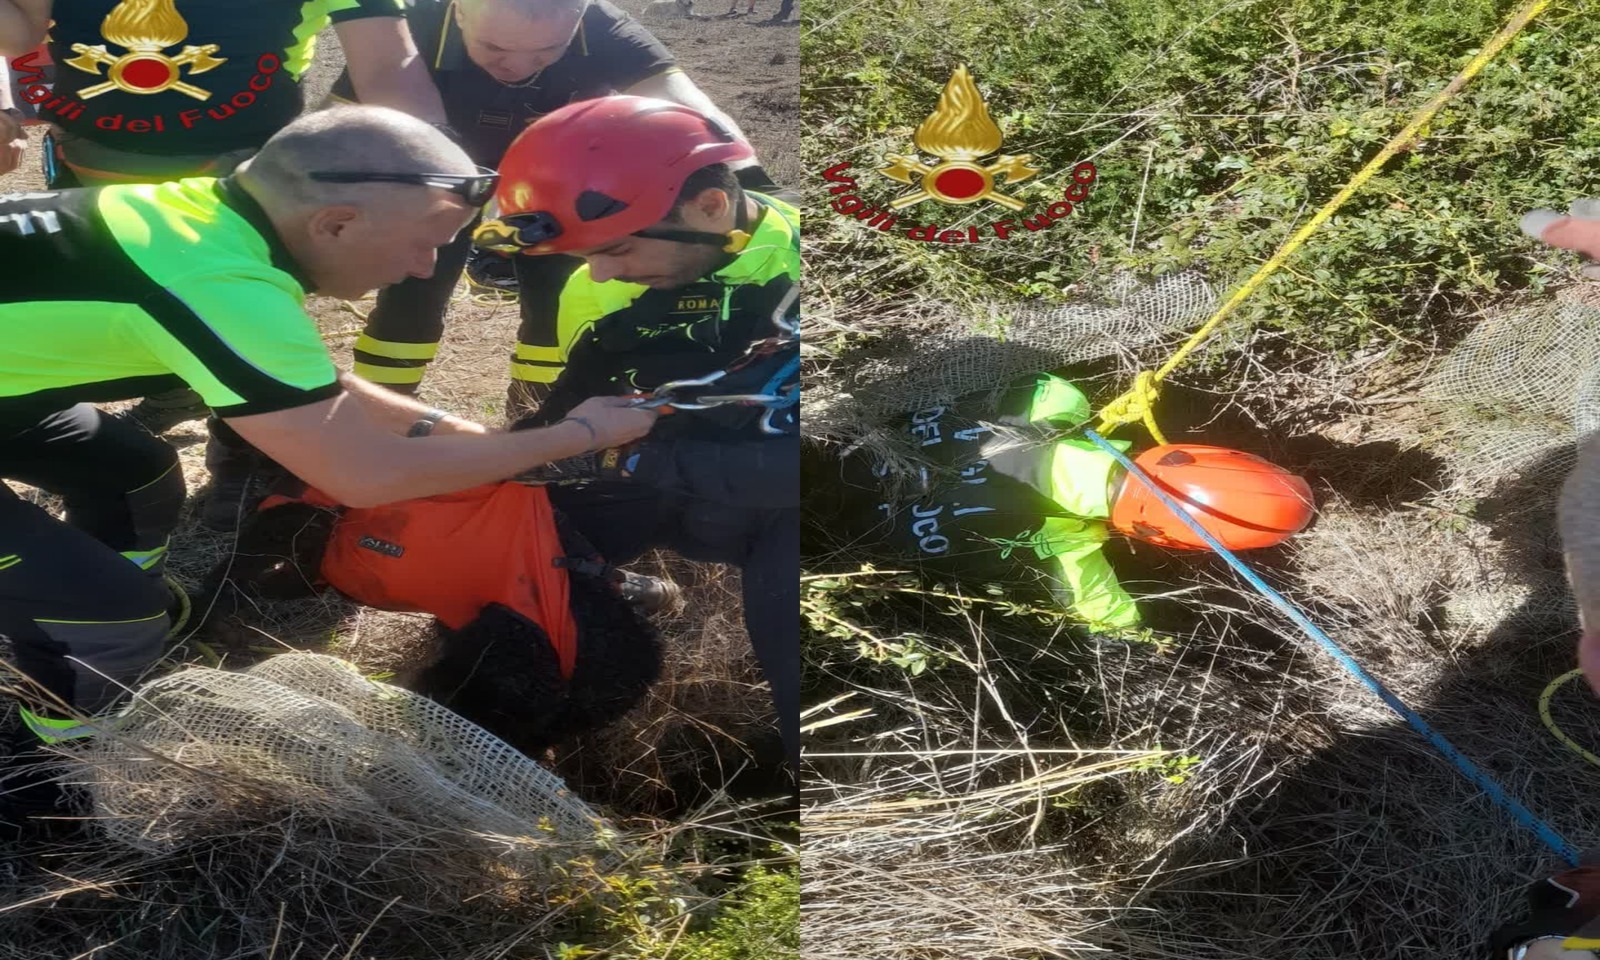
(23, 25)
(405, 469)
(396, 412)
(407, 88)
(386, 70)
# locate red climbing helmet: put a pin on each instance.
(1239, 498)
(598, 170)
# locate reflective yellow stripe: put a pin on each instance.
(145, 559)
(1580, 943)
(534, 374)
(527, 351)
(54, 731)
(8, 562)
(396, 351)
(137, 620)
(154, 482)
(377, 374)
(444, 33)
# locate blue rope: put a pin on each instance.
(1468, 769)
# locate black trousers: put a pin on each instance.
(82, 599)
(405, 326)
(624, 519)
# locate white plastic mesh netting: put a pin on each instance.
(1520, 389)
(953, 356)
(309, 729)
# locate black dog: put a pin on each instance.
(500, 670)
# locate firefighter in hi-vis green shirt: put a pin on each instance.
(114, 292)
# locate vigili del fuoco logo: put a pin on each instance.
(960, 133)
(143, 30)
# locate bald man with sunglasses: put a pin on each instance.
(113, 293)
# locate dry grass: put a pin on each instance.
(1241, 797)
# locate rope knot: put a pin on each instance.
(1135, 405)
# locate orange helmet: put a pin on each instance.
(598, 170)
(1239, 498)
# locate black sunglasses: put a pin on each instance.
(476, 188)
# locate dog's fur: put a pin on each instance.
(499, 671)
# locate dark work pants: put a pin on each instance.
(90, 587)
(624, 519)
(403, 331)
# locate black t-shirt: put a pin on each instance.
(224, 75)
(610, 53)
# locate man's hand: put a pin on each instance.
(1577, 230)
(13, 143)
(613, 420)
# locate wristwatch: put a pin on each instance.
(425, 425)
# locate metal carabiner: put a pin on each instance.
(666, 393)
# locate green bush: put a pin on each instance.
(763, 925)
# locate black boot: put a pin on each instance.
(240, 476)
(163, 411)
(492, 274)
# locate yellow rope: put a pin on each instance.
(1137, 403)
(1550, 723)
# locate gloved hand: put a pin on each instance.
(1563, 921)
(1578, 229)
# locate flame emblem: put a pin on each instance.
(145, 28)
(959, 131)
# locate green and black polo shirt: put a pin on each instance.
(126, 291)
(618, 338)
(223, 75)
(610, 53)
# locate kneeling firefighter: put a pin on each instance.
(688, 293)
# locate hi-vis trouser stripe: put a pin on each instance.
(537, 364)
(390, 361)
(51, 730)
(11, 561)
(146, 559)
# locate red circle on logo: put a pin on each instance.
(146, 73)
(959, 183)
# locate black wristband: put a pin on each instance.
(594, 438)
(425, 425)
